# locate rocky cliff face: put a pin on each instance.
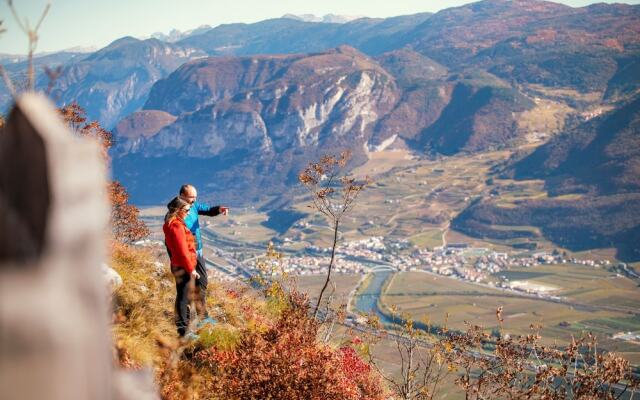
(135, 128)
(270, 104)
(268, 113)
(264, 117)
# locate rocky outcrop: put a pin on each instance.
(138, 126)
(111, 276)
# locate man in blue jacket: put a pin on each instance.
(189, 194)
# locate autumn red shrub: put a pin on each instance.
(286, 361)
(359, 372)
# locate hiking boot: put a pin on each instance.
(208, 320)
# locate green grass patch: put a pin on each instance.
(428, 239)
(618, 324)
(516, 228)
(223, 336)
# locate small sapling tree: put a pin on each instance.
(333, 194)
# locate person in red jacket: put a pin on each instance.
(182, 252)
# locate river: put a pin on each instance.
(366, 300)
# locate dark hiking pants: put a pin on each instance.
(182, 299)
(201, 288)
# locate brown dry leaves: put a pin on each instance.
(332, 194)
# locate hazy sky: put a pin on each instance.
(73, 23)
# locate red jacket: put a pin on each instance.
(181, 244)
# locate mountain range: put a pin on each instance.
(243, 106)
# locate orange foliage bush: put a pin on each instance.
(286, 361)
(125, 224)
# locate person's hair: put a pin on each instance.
(175, 205)
(185, 187)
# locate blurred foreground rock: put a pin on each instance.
(55, 338)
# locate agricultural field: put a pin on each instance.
(592, 300)
(564, 93)
(544, 120)
(428, 238)
(312, 284)
(154, 218)
(415, 199)
(244, 225)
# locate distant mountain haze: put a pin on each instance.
(115, 81)
(497, 36)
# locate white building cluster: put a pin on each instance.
(457, 260)
(308, 265)
(481, 264)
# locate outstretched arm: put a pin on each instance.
(204, 209)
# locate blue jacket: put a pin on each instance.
(191, 220)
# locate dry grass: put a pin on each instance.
(428, 238)
(143, 304)
(232, 357)
(566, 93)
(143, 307)
(383, 161)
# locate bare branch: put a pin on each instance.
(24, 27)
(32, 35)
(44, 14)
(8, 83)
